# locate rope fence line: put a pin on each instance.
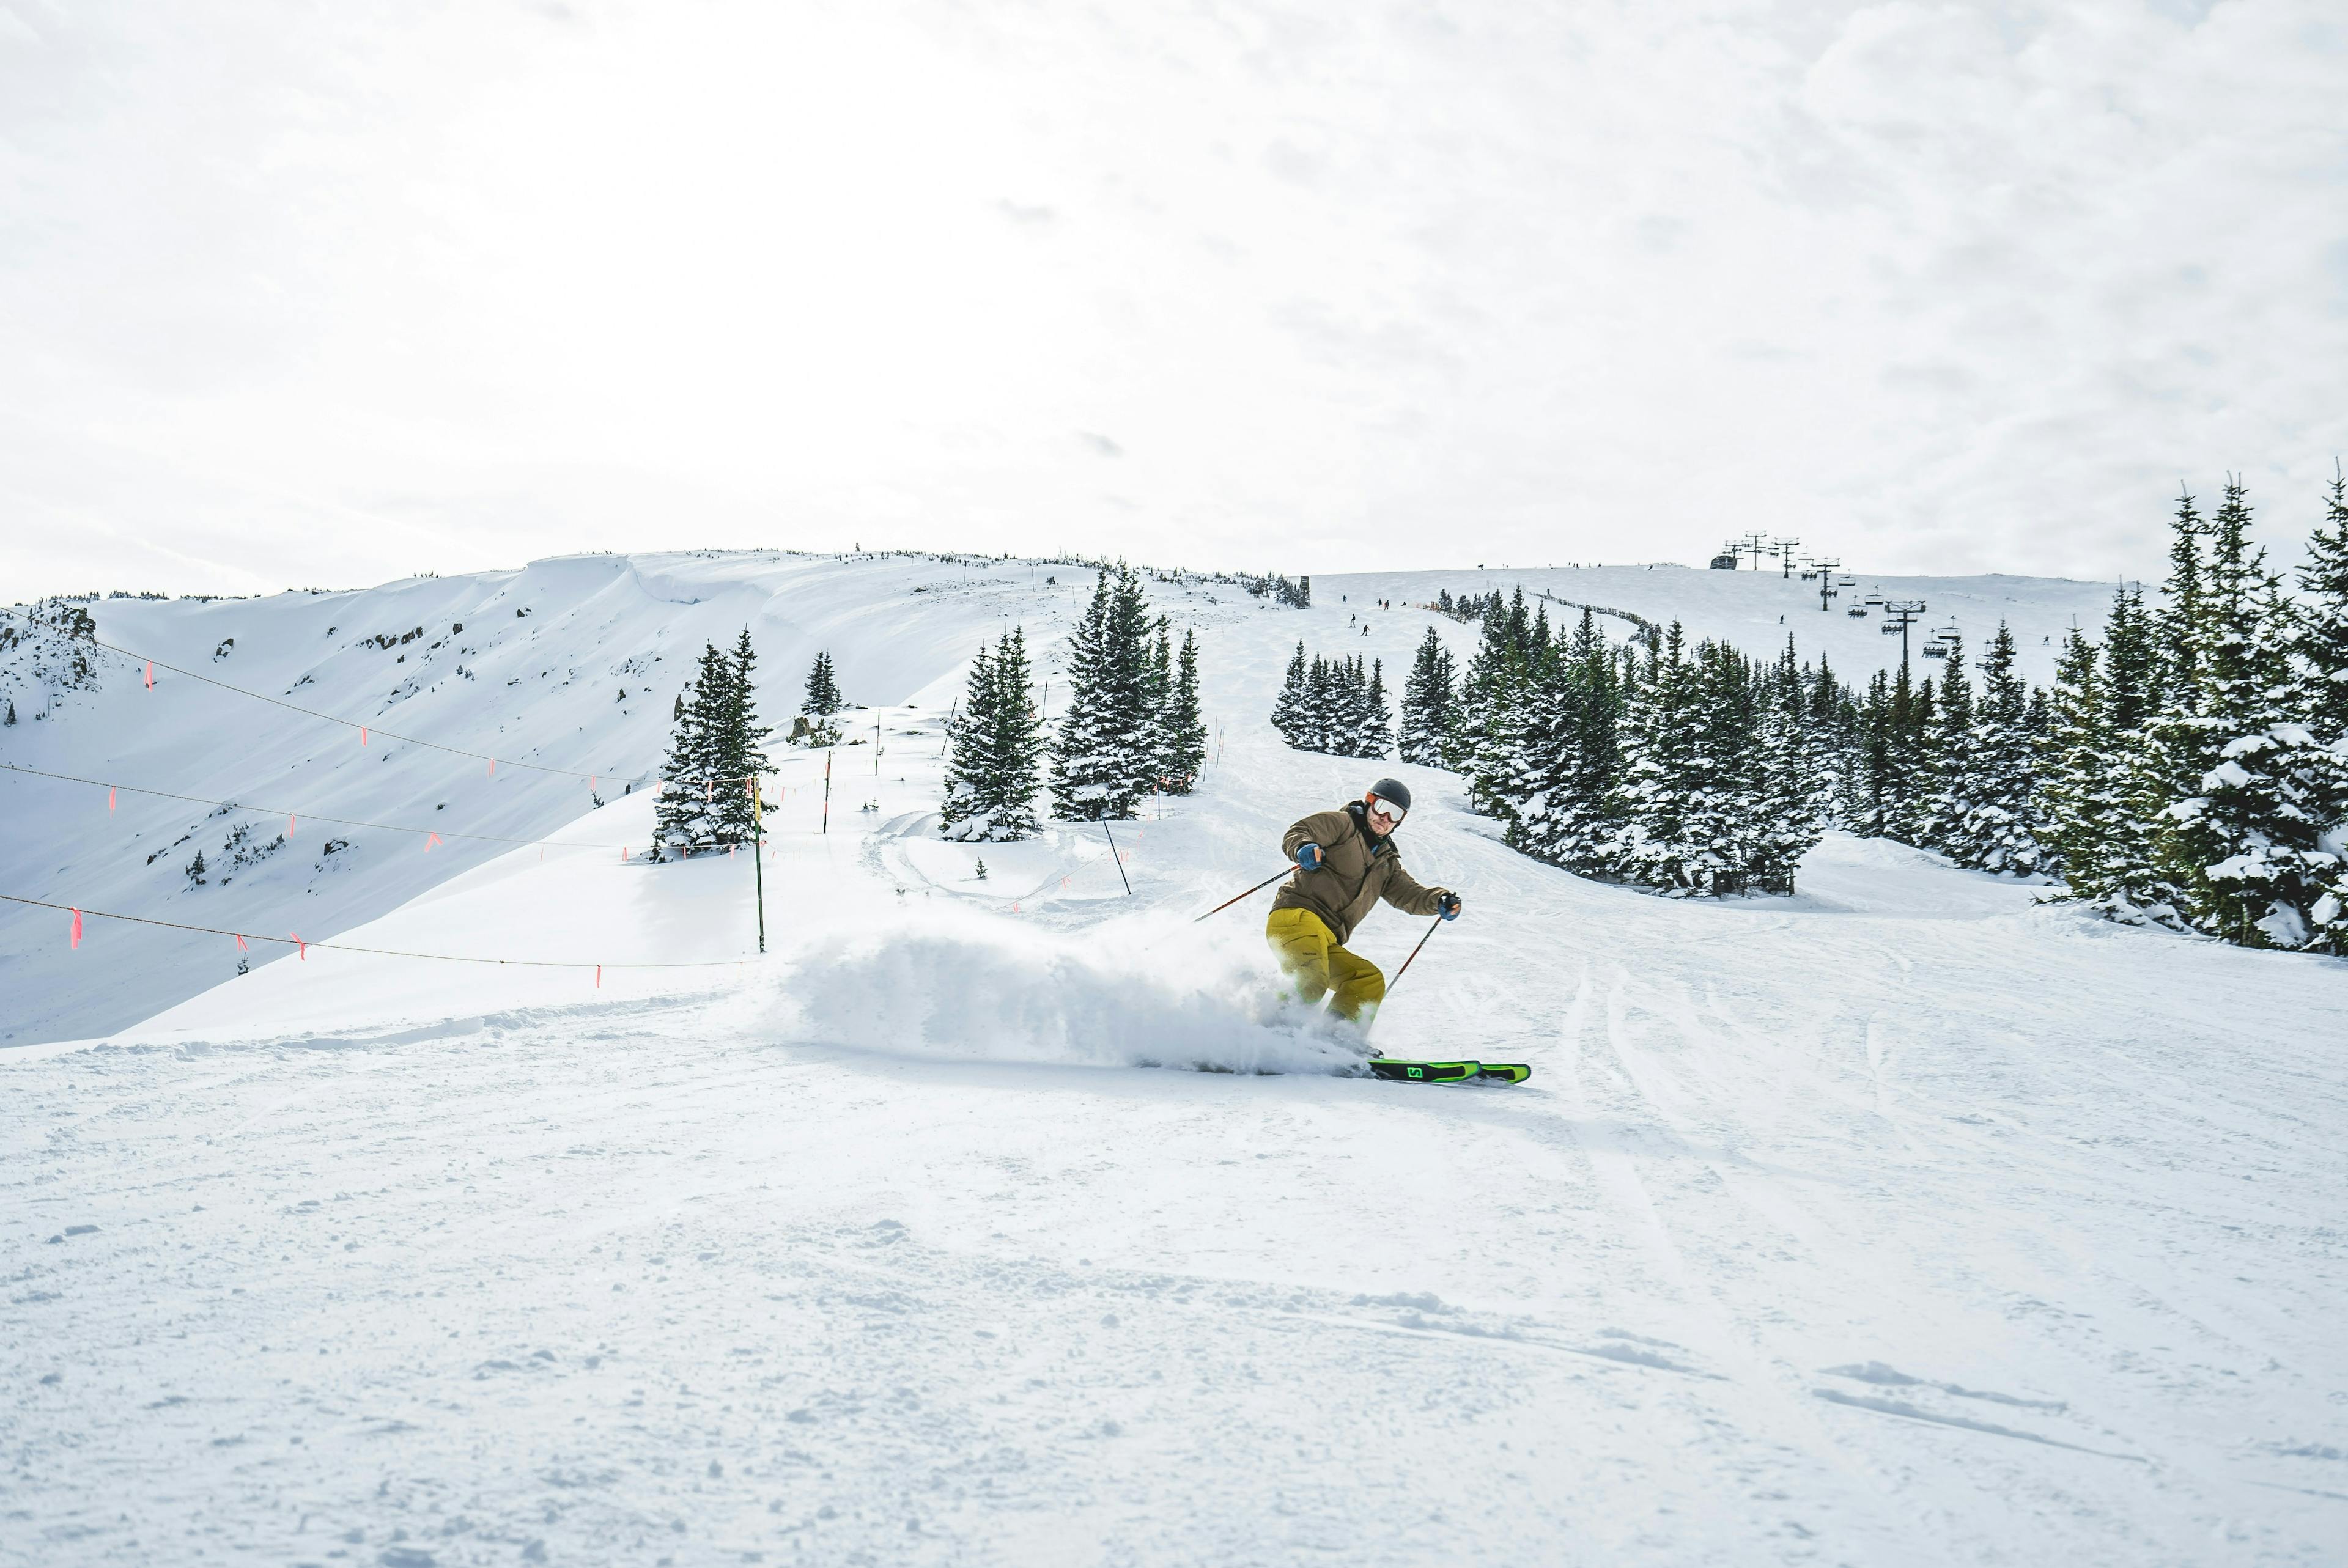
(314, 816)
(303, 946)
(154, 664)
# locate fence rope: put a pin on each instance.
(311, 815)
(380, 952)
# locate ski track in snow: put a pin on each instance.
(1902, 1222)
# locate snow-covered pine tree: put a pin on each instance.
(821, 703)
(1427, 710)
(1915, 762)
(1663, 773)
(1791, 785)
(2239, 849)
(2079, 793)
(1725, 815)
(1185, 730)
(1998, 832)
(2322, 704)
(1956, 787)
(1288, 708)
(686, 815)
(995, 750)
(1490, 710)
(1377, 723)
(1158, 698)
(1104, 758)
(737, 758)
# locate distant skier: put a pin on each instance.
(1346, 861)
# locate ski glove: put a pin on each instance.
(1447, 904)
(1308, 856)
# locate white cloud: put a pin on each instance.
(323, 295)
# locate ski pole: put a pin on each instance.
(1413, 953)
(1257, 888)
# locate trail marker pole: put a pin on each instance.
(758, 857)
(1112, 855)
(827, 790)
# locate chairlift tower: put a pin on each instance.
(1785, 549)
(1899, 615)
(1827, 567)
(1759, 543)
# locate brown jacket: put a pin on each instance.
(1356, 871)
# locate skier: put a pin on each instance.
(1346, 862)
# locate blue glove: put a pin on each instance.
(1447, 904)
(1308, 856)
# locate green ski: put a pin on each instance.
(1447, 1071)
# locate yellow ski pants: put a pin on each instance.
(1309, 954)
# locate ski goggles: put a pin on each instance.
(1380, 807)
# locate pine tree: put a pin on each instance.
(2235, 848)
(1428, 713)
(686, 815)
(1184, 743)
(1104, 758)
(1377, 719)
(2079, 795)
(2000, 831)
(1490, 709)
(821, 703)
(1955, 787)
(2322, 706)
(2323, 640)
(1288, 708)
(1663, 781)
(1157, 699)
(994, 749)
(736, 758)
(1791, 786)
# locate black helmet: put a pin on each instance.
(1393, 790)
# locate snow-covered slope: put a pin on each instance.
(1906, 1221)
(573, 662)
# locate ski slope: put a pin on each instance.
(1907, 1221)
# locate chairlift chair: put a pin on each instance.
(1936, 651)
(1856, 612)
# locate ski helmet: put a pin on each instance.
(1393, 790)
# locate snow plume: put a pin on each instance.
(1138, 994)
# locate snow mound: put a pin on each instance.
(1143, 993)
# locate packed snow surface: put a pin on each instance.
(1017, 1220)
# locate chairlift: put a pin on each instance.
(1936, 651)
(1893, 628)
(1809, 577)
(1856, 612)
(1847, 582)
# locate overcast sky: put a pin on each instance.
(328, 293)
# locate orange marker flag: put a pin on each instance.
(599, 977)
(76, 929)
(240, 943)
(302, 948)
(109, 798)
(290, 820)
(493, 767)
(429, 840)
(363, 734)
(150, 674)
